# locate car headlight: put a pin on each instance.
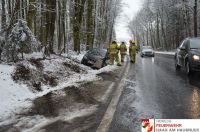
(196, 57)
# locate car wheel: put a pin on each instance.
(188, 68)
(177, 66)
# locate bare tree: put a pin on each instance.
(166, 23)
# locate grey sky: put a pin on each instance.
(130, 9)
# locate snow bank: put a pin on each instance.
(75, 78)
(34, 55)
(13, 96)
(74, 56)
(71, 55)
(165, 52)
(16, 97)
(106, 69)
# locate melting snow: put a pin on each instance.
(15, 97)
(165, 52)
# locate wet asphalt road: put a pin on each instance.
(154, 89)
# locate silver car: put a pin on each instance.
(147, 51)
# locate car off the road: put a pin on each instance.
(147, 51)
(188, 55)
(96, 58)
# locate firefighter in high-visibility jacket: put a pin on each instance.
(123, 51)
(113, 52)
(132, 51)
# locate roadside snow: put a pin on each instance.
(34, 55)
(106, 69)
(16, 97)
(165, 52)
(74, 56)
(79, 57)
(76, 78)
(13, 95)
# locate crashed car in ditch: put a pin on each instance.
(95, 58)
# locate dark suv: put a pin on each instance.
(188, 55)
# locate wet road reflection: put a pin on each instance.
(195, 103)
(159, 91)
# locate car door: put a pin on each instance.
(182, 52)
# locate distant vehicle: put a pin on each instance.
(188, 55)
(147, 51)
(95, 58)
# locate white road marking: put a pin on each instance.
(108, 91)
(108, 116)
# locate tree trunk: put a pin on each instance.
(158, 31)
(31, 14)
(50, 23)
(90, 24)
(195, 19)
(77, 19)
(3, 16)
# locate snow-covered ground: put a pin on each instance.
(13, 96)
(165, 52)
(34, 55)
(17, 97)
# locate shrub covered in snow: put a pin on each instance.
(20, 40)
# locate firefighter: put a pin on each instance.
(123, 51)
(132, 51)
(113, 52)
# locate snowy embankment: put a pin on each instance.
(18, 90)
(165, 52)
(13, 95)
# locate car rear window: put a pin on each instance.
(97, 52)
(195, 43)
(146, 47)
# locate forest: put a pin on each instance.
(163, 24)
(55, 26)
(60, 26)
